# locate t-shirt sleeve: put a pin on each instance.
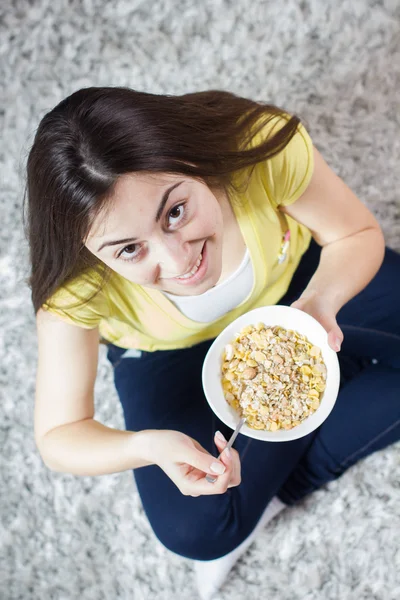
(71, 304)
(287, 174)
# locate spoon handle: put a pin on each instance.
(233, 437)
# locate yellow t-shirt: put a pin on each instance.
(133, 316)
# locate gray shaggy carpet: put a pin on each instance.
(335, 63)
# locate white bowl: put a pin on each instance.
(289, 318)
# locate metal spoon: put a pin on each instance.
(233, 437)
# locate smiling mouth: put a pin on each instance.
(194, 269)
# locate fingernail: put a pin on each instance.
(217, 468)
(227, 452)
(220, 436)
(337, 344)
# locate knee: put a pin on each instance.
(319, 466)
(192, 538)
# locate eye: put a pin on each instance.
(130, 252)
(177, 214)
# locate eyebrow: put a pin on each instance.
(160, 209)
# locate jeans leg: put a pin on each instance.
(162, 390)
(366, 416)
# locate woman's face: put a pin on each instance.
(163, 231)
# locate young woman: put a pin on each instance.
(153, 222)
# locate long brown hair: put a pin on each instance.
(96, 134)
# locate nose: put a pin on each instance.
(173, 257)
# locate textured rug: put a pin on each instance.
(337, 64)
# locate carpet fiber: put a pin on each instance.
(337, 65)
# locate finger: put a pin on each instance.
(227, 461)
(195, 475)
(221, 483)
(224, 452)
(205, 488)
(230, 457)
(237, 477)
(335, 338)
(220, 441)
(204, 461)
(219, 448)
(221, 444)
(194, 482)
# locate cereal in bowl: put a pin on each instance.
(275, 377)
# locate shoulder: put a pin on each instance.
(81, 301)
(287, 174)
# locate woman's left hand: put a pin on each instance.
(318, 307)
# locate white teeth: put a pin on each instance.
(193, 271)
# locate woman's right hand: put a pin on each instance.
(187, 463)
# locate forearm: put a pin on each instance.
(90, 448)
(346, 267)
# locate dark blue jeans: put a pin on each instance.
(162, 390)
